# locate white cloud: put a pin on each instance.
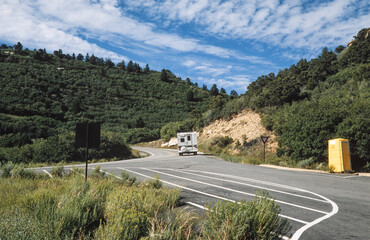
(236, 83)
(288, 23)
(209, 69)
(18, 21)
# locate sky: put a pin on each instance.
(229, 43)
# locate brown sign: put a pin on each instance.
(264, 139)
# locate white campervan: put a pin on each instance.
(187, 143)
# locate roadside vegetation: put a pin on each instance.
(35, 206)
(305, 106)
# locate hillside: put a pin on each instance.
(42, 92)
(44, 95)
(305, 106)
(245, 127)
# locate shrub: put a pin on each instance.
(306, 163)
(7, 169)
(19, 172)
(127, 179)
(258, 219)
(175, 224)
(155, 183)
(58, 171)
(222, 142)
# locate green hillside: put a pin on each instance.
(314, 101)
(44, 95)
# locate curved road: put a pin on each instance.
(318, 205)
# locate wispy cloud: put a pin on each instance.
(103, 20)
(288, 23)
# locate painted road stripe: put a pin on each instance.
(197, 205)
(250, 185)
(300, 231)
(237, 191)
(200, 192)
(47, 173)
(110, 174)
(179, 186)
(251, 180)
(281, 215)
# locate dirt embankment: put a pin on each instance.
(245, 126)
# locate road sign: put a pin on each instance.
(87, 134)
(264, 139)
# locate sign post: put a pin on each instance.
(264, 140)
(87, 135)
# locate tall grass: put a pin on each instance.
(258, 219)
(106, 208)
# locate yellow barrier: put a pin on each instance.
(339, 155)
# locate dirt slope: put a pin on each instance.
(246, 123)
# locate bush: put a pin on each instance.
(258, 219)
(58, 171)
(222, 142)
(7, 169)
(175, 224)
(127, 179)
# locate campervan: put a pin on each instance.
(187, 143)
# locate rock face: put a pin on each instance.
(172, 142)
(247, 123)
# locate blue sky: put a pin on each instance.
(229, 43)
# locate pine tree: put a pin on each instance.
(214, 90)
(164, 77)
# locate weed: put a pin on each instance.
(331, 168)
(155, 183)
(127, 179)
(7, 169)
(19, 172)
(175, 224)
(258, 219)
(58, 171)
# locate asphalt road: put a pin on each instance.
(318, 205)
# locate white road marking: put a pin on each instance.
(281, 215)
(250, 180)
(237, 191)
(110, 174)
(333, 176)
(197, 205)
(246, 184)
(203, 193)
(179, 186)
(47, 173)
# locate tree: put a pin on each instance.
(130, 66)
(139, 123)
(146, 69)
(223, 91)
(164, 77)
(122, 65)
(18, 48)
(190, 95)
(80, 57)
(204, 87)
(87, 58)
(340, 49)
(233, 93)
(214, 90)
(92, 59)
(109, 63)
